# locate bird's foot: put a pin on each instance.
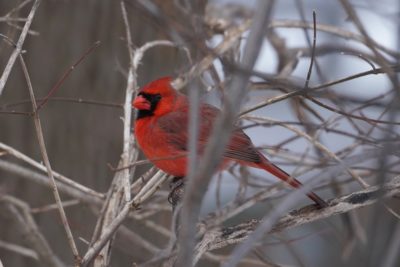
(177, 186)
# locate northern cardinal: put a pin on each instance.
(161, 129)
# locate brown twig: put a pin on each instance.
(26, 252)
(18, 46)
(272, 222)
(300, 91)
(108, 232)
(27, 225)
(323, 148)
(312, 50)
(121, 179)
(17, 8)
(145, 161)
(198, 182)
(332, 30)
(66, 74)
(65, 99)
(63, 179)
(42, 146)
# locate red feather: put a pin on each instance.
(161, 130)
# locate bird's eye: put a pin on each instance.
(157, 97)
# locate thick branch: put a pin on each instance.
(224, 236)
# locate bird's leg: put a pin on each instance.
(177, 186)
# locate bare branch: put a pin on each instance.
(66, 74)
(332, 30)
(318, 145)
(43, 180)
(222, 237)
(146, 192)
(17, 154)
(302, 91)
(42, 146)
(26, 252)
(198, 182)
(230, 40)
(25, 222)
(18, 48)
(312, 50)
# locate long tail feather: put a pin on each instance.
(284, 176)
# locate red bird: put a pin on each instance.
(161, 129)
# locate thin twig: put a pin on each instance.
(17, 8)
(121, 179)
(198, 182)
(230, 40)
(323, 148)
(39, 133)
(312, 51)
(65, 180)
(145, 161)
(18, 47)
(41, 179)
(65, 99)
(300, 91)
(66, 74)
(26, 252)
(332, 30)
(107, 233)
(26, 224)
(50, 207)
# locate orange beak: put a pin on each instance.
(141, 103)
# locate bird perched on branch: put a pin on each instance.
(161, 130)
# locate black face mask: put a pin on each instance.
(153, 99)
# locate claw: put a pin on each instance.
(177, 186)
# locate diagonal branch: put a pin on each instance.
(117, 203)
(28, 227)
(224, 236)
(23, 251)
(18, 47)
(42, 146)
(107, 233)
(19, 155)
(198, 181)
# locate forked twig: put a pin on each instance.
(39, 133)
(146, 192)
(18, 47)
(66, 74)
(27, 226)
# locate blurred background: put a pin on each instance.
(82, 139)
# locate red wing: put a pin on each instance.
(175, 124)
(241, 148)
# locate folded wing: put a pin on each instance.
(175, 124)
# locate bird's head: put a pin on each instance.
(155, 98)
